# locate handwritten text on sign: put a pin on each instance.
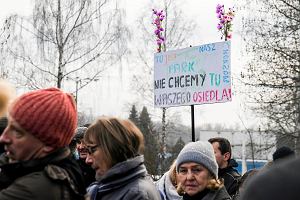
(194, 75)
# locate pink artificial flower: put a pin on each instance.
(225, 21)
(158, 32)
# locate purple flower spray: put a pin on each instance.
(225, 21)
(160, 40)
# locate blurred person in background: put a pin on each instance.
(80, 153)
(7, 93)
(243, 182)
(279, 182)
(283, 153)
(3, 124)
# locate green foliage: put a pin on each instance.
(133, 116)
(157, 160)
(151, 141)
(176, 149)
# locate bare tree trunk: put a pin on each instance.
(297, 102)
(164, 110)
(60, 46)
(163, 141)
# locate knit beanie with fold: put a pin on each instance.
(200, 152)
(48, 114)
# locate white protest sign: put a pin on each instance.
(194, 75)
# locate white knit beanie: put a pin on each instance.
(200, 152)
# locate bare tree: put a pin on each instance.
(67, 39)
(271, 31)
(4, 37)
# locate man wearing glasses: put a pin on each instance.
(80, 152)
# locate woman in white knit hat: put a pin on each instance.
(197, 171)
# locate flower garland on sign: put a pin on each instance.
(225, 21)
(160, 40)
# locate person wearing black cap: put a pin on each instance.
(280, 181)
(282, 153)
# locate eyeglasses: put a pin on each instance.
(79, 141)
(92, 149)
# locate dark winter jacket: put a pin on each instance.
(279, 182)
(87, 171)
(127, 180)
(54, 177)
(231, 177)
(220, 194)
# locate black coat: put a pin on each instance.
(279, 182)
(220, 194)
(231, 178)
(87, 171)
(56, 176)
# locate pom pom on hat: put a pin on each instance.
(200, 152)
(48, 114)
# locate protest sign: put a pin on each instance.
(194, 75)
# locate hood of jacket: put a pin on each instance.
(166, 188)
(119, 175)
(233, 163)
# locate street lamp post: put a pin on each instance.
(78, 82)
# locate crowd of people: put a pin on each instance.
(45, 155)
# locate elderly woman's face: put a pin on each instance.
(97, 159)
(193, 177)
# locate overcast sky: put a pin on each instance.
(203, 11)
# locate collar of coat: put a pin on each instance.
(58, 165)
(120, 175)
